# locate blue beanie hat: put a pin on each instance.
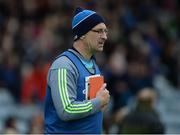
(84, 21)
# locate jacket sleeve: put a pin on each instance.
(63, 82)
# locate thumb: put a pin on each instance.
(103, 86)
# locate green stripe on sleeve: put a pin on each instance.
(70, 108)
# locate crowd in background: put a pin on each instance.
(143, 41)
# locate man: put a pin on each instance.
(66, 108)
(143, 119)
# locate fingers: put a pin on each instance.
(107, 91)
(103, 86)
(103, 95)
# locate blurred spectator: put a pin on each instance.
(10, 74)
(139, 75)
(34, 82)
(10, 126)
(117, 78)
(170, 62)
(143, 119)
(37, 124)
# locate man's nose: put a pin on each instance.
(104, 36)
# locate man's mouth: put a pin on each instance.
(101, 43)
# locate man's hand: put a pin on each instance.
(103, 95)
(104, 108)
